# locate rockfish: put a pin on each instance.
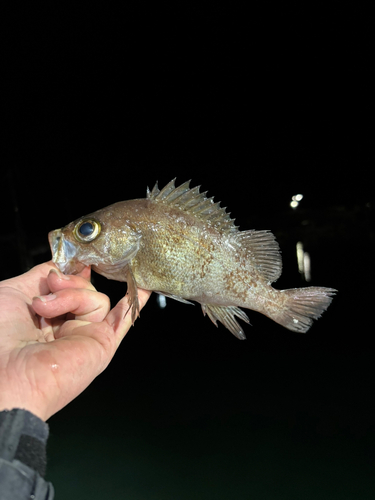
(179, 243)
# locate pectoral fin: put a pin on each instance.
(132, 293)
(226, 315)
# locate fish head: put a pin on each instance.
(105, 239)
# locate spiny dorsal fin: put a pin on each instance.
(263, 251)
(155, 191)
(194, 202)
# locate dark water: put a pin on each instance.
(255, 112)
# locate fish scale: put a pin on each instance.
(181, 244)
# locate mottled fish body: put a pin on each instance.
(181, 244)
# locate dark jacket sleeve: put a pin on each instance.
(23, 438)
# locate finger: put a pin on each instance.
(59, 281)
(84, 304)
(119, 317)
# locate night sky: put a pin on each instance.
(255, 106)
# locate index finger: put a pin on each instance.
(57, 280)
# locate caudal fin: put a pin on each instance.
(302, 305)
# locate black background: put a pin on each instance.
(256, 105)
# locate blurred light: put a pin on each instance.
(307, 266)
(304, 262)
(300, 256)
(161, 300)
(294, 204)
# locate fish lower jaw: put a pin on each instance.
(69, 267)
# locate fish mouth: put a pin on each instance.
(64, 253)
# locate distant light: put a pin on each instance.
(297, 197)
(295, 200)
(161, 300)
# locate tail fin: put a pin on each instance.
(302, 305)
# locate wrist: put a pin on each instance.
(23, 437)
(11, 403)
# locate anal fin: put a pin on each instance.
(226, 316)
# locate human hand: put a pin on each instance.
(53, 345)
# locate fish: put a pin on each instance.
(182, 244)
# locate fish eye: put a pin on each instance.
(87, 230)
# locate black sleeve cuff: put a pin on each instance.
(23, 437)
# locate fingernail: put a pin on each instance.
(59, 274)
(45, 298)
